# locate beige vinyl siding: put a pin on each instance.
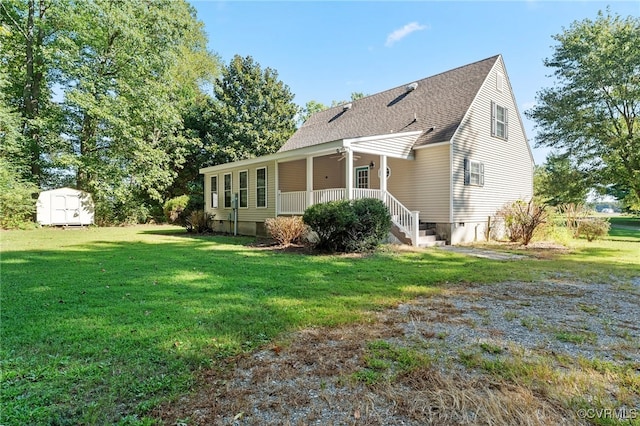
(432, 171)
(328, 172)
(508, 165)
(251, 213)
(292, 175)
(423, 184)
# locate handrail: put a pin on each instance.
(401, 216)
(406, 220)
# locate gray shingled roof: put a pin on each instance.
(440, 101)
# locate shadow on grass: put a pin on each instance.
(219, 237)
(624, 234)
(106, 329)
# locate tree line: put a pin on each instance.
(124, 100)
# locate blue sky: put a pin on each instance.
(324, 51)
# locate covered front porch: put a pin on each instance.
(344, 173)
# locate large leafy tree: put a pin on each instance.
(592, 112)
(559, 182)
(126, 73)
(30, 42)
(253, 115)
(125, 95)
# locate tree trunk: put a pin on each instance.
(34, 65)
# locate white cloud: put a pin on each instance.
(401, 33)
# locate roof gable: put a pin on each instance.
(436, 107)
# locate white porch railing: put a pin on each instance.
(408, 221)
(297, 202)
(326, 195)
(292, 202)
(366, 193)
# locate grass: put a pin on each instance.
(101, 325)
(385, 361)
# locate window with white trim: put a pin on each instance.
(499, 121)
(473, 173)
(243, 178)
(261, 187)
(227, 190)
(214, 192)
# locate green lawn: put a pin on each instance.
(100, 325)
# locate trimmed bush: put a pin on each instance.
(174, 207)
(593, 228)
(374, 223)
(286, 230)
(349, 226)
(521, 219)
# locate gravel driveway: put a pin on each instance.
(579, 334)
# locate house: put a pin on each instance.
(64, 206)
(444, 153)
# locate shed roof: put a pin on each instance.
(436, 106)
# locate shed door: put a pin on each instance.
(65, 209)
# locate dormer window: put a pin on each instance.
(499, 121)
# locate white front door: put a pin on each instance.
(362, 177)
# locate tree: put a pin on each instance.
(126, 73)
(559, 182)
(591, 114)
(309, 109)
(354, 97)
(253, 115)
(127, 85)
(30, 44)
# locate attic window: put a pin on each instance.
(499, 81)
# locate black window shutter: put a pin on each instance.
(467, 172)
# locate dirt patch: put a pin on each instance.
(508, 353)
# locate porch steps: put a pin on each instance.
(426, 237)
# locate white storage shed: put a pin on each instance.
(65, 206)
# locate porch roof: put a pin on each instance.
(397, 145)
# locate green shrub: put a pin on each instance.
(349, 226)
(521, 219)
(17, 203)
(199, 222)
(374, 223)
(593, 228)
(174, 207)
(286, 230)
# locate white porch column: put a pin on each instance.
(383, 174)
(309, 181)
(277, 188)
(348, 176)
(415, 230)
